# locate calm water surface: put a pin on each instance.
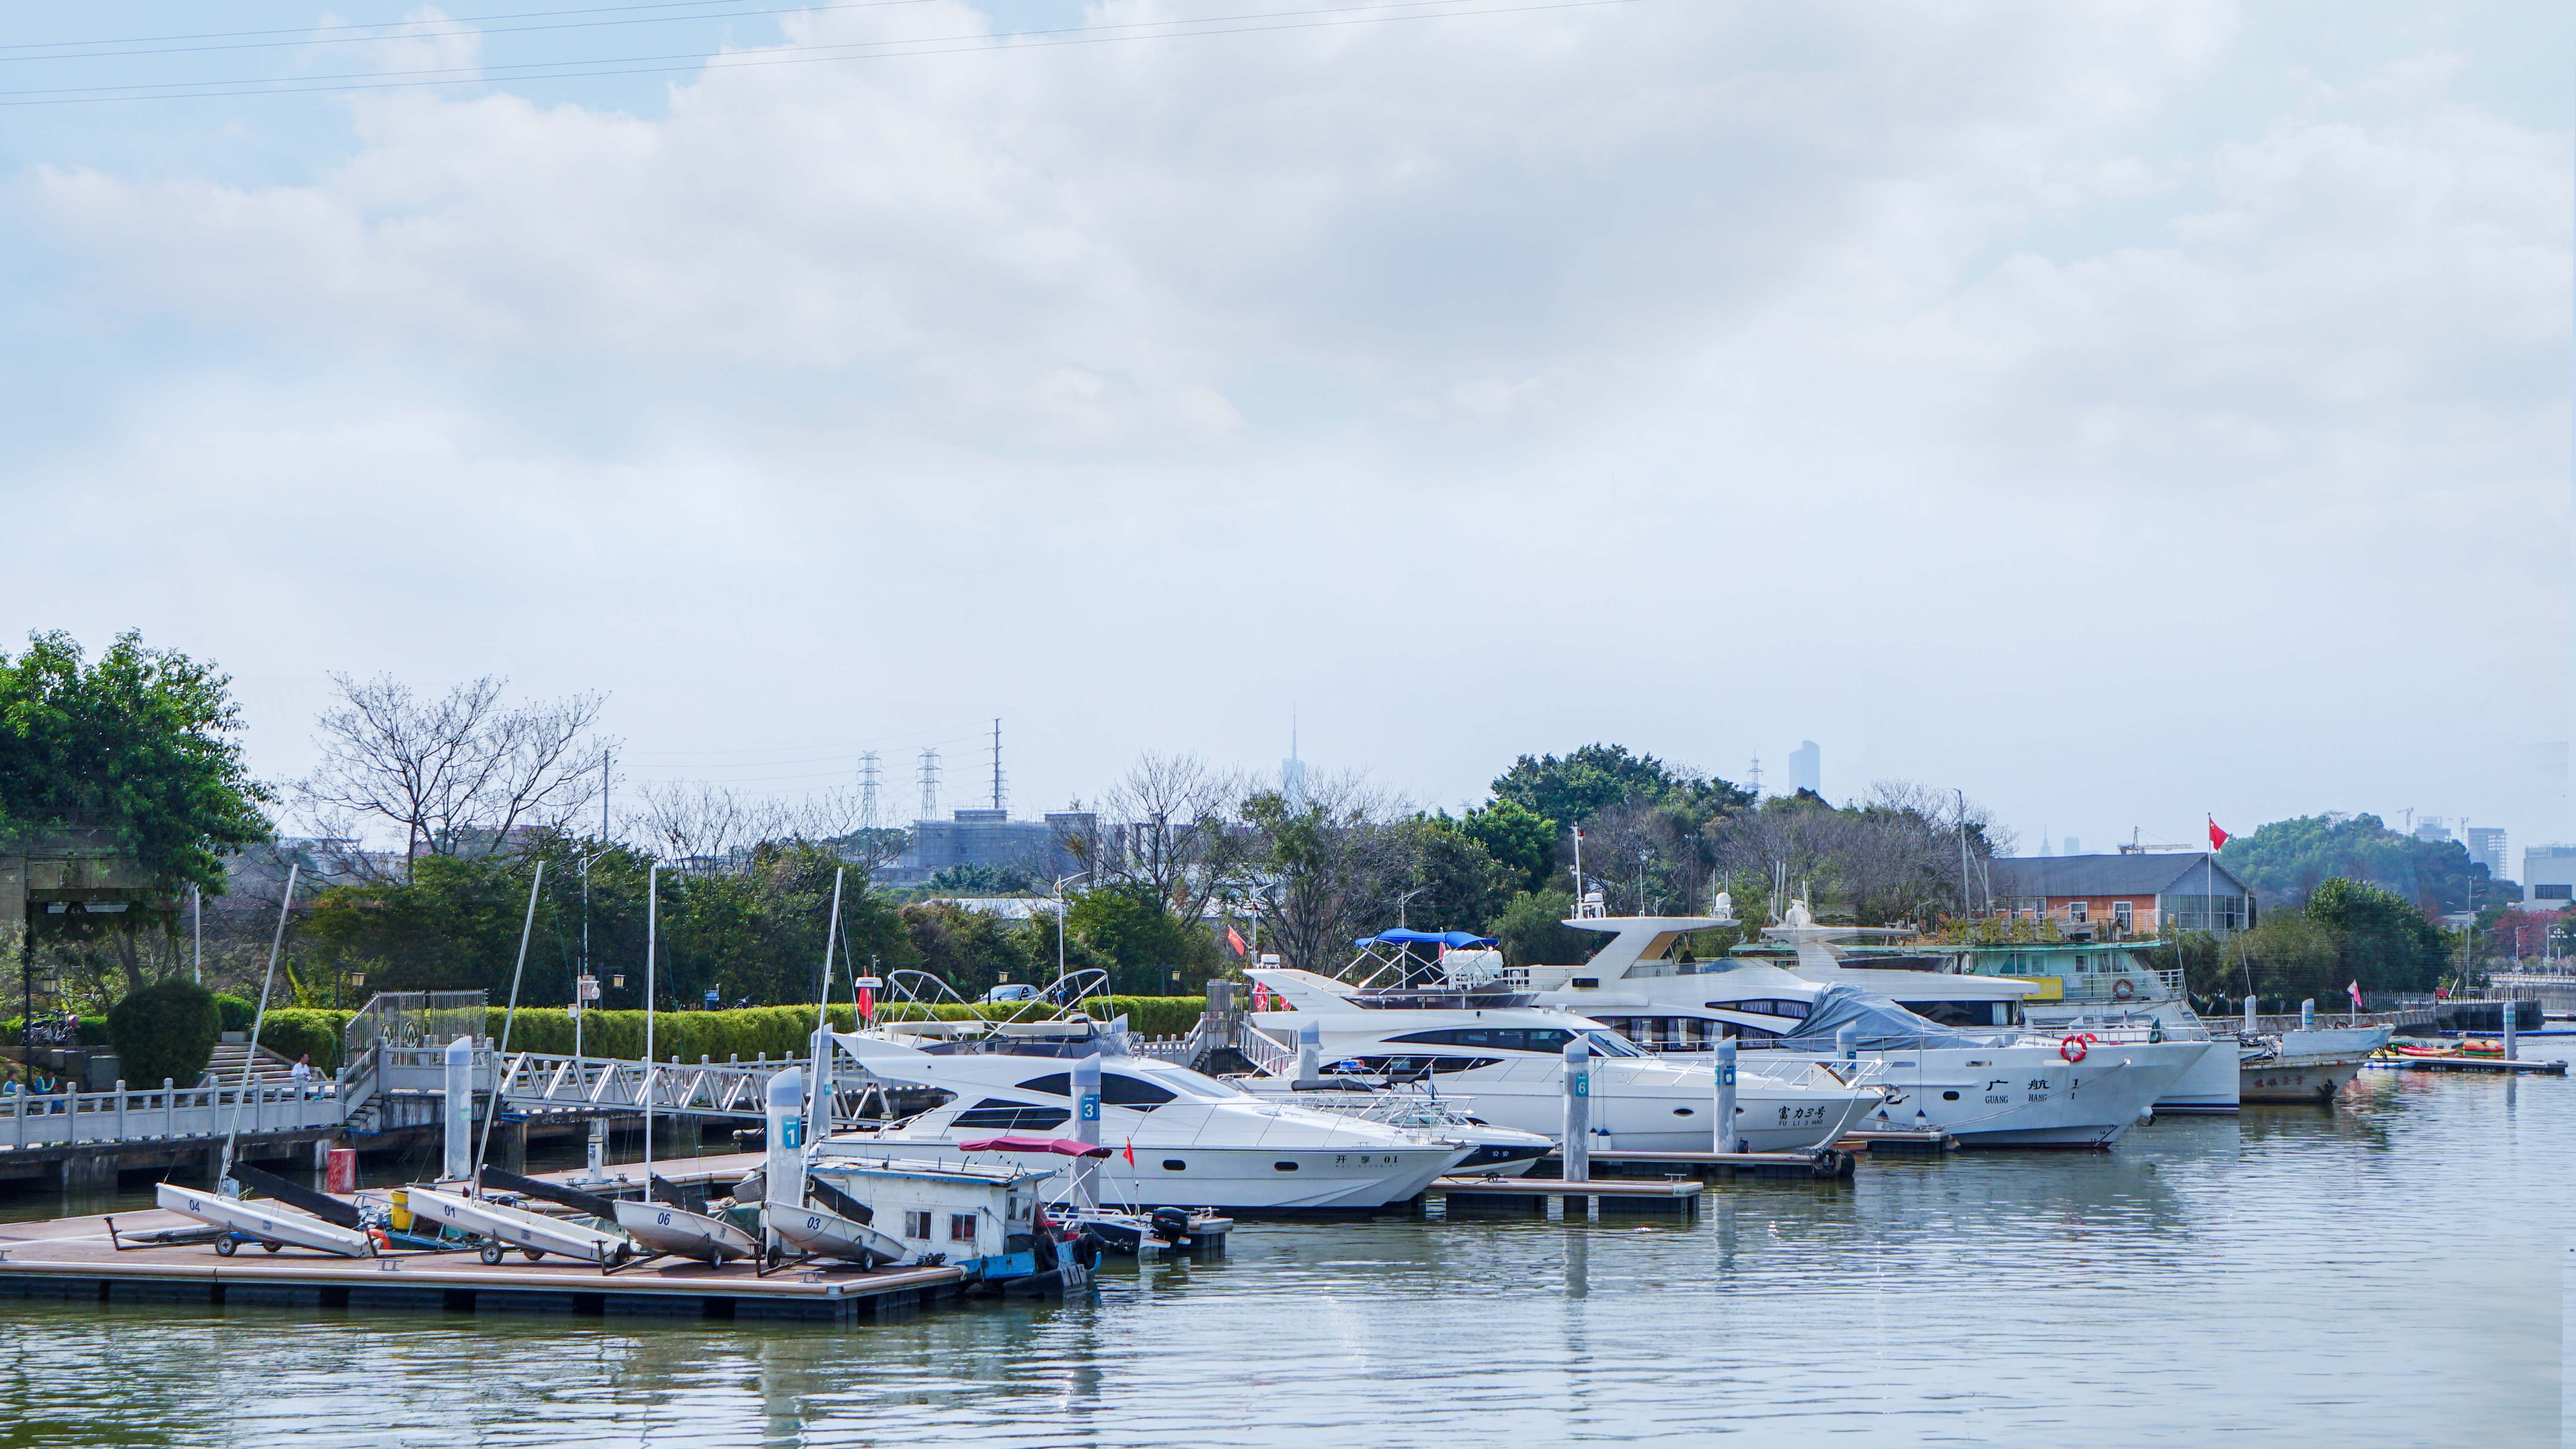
(2389, 1272)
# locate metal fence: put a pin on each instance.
(413, 1019)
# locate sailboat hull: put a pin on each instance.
(517, 1227)
(268, 1224)
(820, 1234)
(662, 1228)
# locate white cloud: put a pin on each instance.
(1653, 346)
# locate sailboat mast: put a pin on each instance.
(652, 927)
(817, 1110)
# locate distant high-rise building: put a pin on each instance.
(2430, 830)
(2549, 876)
(2487, 848)
(2074, 846)
(1806, 770)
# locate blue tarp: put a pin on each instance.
(1455, 940)
(1881, 1025)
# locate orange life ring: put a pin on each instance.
(2122, 990)
(2072, 1049)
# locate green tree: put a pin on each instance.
(1461, 887)
(2286, 860)
(1134, 933)
(2382, 941)
(1532, 932)
(144, 745)
(1597, 777)
(1522, 840)
(971, 950)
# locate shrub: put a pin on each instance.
(295, 1031)
(167, 1029)
(237, 1012)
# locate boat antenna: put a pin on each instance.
(250, 1055)
(818, 1107)
(652, 925)
(483, 1143)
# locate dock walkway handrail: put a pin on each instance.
(166, 1114)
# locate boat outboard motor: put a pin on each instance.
(1171, 1224)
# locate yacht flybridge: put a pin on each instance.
(1502, 1054)
(1990, 1086)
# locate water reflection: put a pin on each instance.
(2265, 1276)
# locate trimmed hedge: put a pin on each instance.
(780, 1031)
(164, 1031)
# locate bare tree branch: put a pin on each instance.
(456, 774)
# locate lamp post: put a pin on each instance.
(1060, 883)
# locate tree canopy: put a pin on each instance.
(142, 744)
(2348, 931)
(2287, 860)
(1596, 777)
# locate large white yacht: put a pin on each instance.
(1176, 1138)
(1506, 1057)
(1995, 1086)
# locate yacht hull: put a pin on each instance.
(1245, 1179)
(2030, 1095)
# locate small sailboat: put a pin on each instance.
(505, 1227)
(665, 1228)
(272, 1226)
(836, 1227)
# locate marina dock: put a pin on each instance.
(1532, 1195)
(74, 1258)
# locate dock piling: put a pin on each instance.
(1578, 1113)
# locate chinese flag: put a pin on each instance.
(1234, 940)
(2218, 838)
(1131, 1153)
(867, 1004)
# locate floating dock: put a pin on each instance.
(74, 1258)
(1532, 1195)
(1824, 1164)
(2467, 1064)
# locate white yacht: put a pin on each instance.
(2077, 986)
(1505, 1057)
(1175, 1138)
(1995, 1087)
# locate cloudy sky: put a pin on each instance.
(2119, 411)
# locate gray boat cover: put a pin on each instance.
(1881, 1024)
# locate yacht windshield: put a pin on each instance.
(1611, 1044)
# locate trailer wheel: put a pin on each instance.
(270, 1247)
(532, 1254)
(491, 1255)
(226, 1247)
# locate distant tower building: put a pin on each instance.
(2487, 848)
(1292, 772)
(1806, 768)
(2074, 846)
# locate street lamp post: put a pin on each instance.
(1060, 883)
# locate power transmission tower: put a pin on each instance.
(868, 818)
(929, 784)
(997, 765)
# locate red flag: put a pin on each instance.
(2218, 838)
(867, 1004)
(2355, 989)
(1236, 941)
(1131, 1152)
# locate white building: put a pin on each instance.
(2548, 876)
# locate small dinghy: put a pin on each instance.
(533, 1234)
(661, 1227)
(832, 1227)
(271, 1225)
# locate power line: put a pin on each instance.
(376, 24)
(877, 50)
